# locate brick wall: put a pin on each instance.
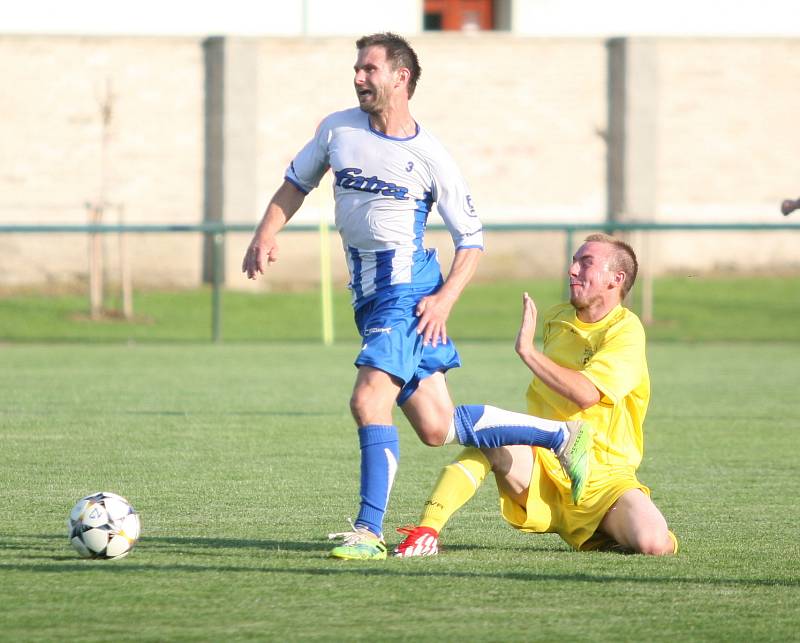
(524, 117)
(51, 158)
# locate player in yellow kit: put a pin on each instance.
(592, 368)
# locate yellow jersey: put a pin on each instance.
(610, 353)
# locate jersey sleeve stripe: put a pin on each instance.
(296, 184)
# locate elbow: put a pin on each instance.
(588, 400)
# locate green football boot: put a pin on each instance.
(358, 544)
(574, 456)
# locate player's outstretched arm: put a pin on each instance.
(566, 382)
(434, 310)
(527, 326)
(263, 249)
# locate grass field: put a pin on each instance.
(686, 309)
(241, 457)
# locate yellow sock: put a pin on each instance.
(457, 483)
(674, 540)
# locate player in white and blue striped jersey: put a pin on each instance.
(388, 172)
(384, 188)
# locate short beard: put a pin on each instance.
(375, 106)
(582, 303)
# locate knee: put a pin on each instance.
(432, 439)
(431, 434)
(656, 543)
(364, 408)
(432, 427)
(357, 404)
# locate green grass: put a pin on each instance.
(686, 309)
(241, 457)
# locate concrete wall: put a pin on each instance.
(526, 118)
(52, 161)
(727, 133)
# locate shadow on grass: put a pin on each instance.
(231, 413)
(34, 544)
(177, 340)
(393, 568)
(716, 417)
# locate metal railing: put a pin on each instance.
(217, 231)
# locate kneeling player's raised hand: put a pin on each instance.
(527, 326)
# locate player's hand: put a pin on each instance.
(433, 312)
(260, 253)
(527, 326)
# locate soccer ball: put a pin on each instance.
(103, 525)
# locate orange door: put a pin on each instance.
(458, 15)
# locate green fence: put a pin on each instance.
(216, 232)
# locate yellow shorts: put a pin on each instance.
(550, 510)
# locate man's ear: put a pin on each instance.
(403, 75)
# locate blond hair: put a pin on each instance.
(623, 259)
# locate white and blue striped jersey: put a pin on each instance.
(384, 189)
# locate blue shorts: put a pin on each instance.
(388, 327)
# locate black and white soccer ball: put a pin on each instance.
(103, 525)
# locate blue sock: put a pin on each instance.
(380, 454)
(487, 426)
